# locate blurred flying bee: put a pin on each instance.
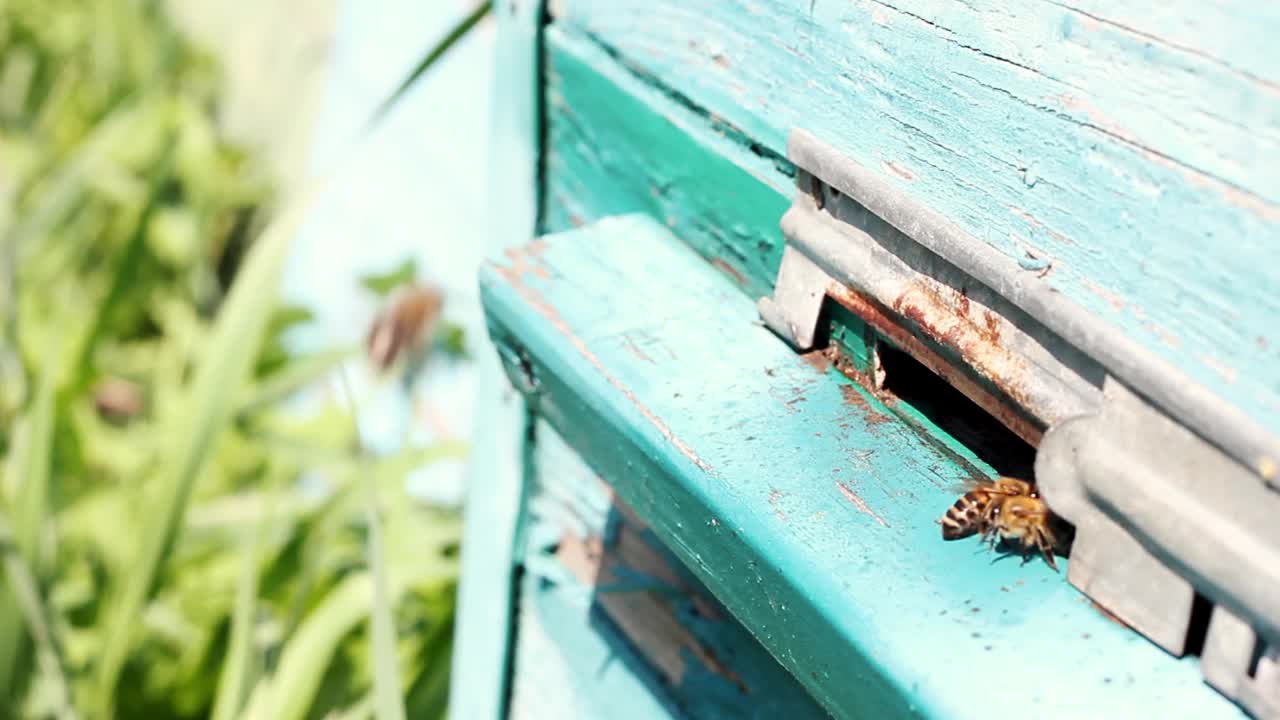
(404, 327)
(1003, 510)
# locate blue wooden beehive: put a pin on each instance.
(772, 278)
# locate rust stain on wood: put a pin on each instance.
(872, 416)
(775, 501)
(733, 272)
(1107, 614)
(818, 360)
(859, 503)
(978, 345)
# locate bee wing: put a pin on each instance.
(965, 486)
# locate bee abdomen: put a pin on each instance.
(964, 518)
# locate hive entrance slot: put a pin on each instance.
(1198, 627)
(947, 409)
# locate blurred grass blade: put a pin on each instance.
(430, 694)
(125, 274)
(434, 54)
(22, 584)
(237, 666)
(387, 695)
(30, 473)
(291, 690)
(66, 187)
(389, 704)
(228, 359)
(362, 709)
(300, 373)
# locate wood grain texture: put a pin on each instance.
(807, 512)
(1134, 153)
(616, 144)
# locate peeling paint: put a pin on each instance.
(978, 345)
(859, 503)
(1227, 372)
(775, 501)
(525, 262)
(635, 350)
(898, 170)
(723, 265)
(869, 414)
(1107, 296)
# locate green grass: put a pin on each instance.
(161, 557)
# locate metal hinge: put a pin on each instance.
(1173, 491)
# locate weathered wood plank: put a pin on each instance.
(479, 689)
(613, 140)
(566, 668)
(615, 145)
(1135, 157)
(592, 562)
(793, 500)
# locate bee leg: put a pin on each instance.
(1044, 542)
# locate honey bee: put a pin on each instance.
(1025, 519)
(1000, 510)
(402, 328)
(971, 513)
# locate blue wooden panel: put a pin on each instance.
(567, 668)
(1134, 157)
(612, 625)
(796, 500)
(481, 662)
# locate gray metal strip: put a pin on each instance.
(1193, 405)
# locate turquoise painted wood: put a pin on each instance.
(1132, 152)
(635, 635)
(479, 687)
(798, 501)
(616, 144)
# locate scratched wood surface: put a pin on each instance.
(616, 146)
(612, 625)
(1132, 150)
(793, 497)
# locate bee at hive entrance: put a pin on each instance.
(1004, 510)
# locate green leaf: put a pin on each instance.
(234, 680)
(381, 284)
(459, 31)
(289, 692)
(226, 363)
(451, 339)
(30, 472)
(386, 667)
(299, 373)
(23, 585)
